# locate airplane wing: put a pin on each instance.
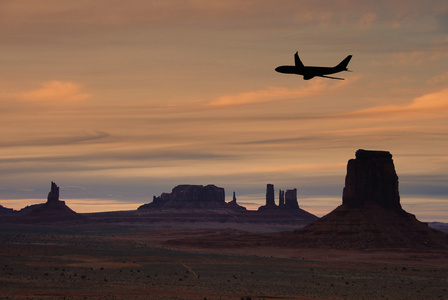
(330, 77)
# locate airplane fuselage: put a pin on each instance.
(306, 71)
(309, 72)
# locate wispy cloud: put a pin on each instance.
(432, 104)
(60, 91)
(273, 94)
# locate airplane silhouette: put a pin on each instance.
(310, 72)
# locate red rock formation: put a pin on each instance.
(270, 198)
(370, 215)
(371, 177)
(53, 195)
(281, 196)
(191, 196)
(291, 199)
(6, 211)
(51, 211)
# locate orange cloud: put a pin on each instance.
(273, 94)
(56, 91)
(432, 104)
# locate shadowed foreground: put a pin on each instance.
(127, 262)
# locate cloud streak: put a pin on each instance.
(55, 91)
(273, 94)
(423, 107)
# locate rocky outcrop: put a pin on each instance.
(235, 206)
(281, 198)
(191, 196)
(291, 199)
(54, 210)
(270, 197)
(370, 215)
(6, 211)
(287, 200)
(53, 195)
(371, 177)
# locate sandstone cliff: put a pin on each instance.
(371, 215)
(192, 197)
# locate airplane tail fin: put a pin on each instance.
(342, 66)
(297, 61)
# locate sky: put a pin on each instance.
(120, 101)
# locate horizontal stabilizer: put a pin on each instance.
(330, 77)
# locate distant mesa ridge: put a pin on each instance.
(192, 196)
(207, 203)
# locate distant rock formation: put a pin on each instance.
(370, 215)
(291, 199)
(233, 205)
(281, 198)
(191, 196)
(371, 177)
(6, 211)
(270, 197)
(287, 200)
(53, 195)
(54, 210)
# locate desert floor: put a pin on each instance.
(131, 262)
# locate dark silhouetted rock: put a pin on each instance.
(371, 215)
(270, 197)
(6, 211)
(233, 205)
(291, 199)
(51, 211)
(281, 197)
(53, 195)
(190, 196)
(371, 177)
(287, 200)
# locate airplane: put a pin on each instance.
(310, 72)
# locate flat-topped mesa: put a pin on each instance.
(371, 177)
(191, 196)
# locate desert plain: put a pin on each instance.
(140, 261)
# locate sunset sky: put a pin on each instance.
(118, 101)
